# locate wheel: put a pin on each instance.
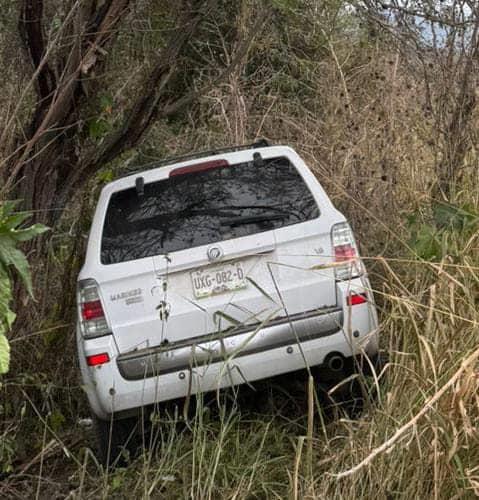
(116, 440)
(377, 361)
(365, 388)
(352, 393)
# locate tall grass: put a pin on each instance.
(426, 390)
(418, 440)
(255, 444)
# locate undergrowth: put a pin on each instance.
(356, 114)
(418, 440)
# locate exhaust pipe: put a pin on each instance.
(335, 363)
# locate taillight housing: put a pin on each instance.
(345, 252)
(91, 315)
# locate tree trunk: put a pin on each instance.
(57, 158)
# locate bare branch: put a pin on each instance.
(57, 111)
(148, 106)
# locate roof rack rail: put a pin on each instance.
(261, 143)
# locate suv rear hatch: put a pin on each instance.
(210, 247)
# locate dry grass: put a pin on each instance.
(361, 128)
(418, 441)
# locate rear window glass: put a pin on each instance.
(204, 207)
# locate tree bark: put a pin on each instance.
(49, 153)
(56, 159)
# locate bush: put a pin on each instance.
(12, 259)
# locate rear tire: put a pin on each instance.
(369, 368)
(116, 440)
(352, 396)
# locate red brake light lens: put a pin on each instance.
(92, 310)
(199, 167)
(98, 359)
(344, 252)
(355, 299)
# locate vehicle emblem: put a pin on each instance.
(214, 253)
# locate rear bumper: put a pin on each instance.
(231, 345)
(117, 395)
(144, 377)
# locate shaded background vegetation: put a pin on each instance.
(380, 100)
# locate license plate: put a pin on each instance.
(219, 279)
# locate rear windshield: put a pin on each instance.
(204, 207)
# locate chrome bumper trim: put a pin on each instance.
(237, 342)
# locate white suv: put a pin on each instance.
(224, 268)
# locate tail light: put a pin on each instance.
(93, 322)
(98, 359)
(346, 251)
(354, 299)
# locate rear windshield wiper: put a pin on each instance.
(164, 219)
(229, 211)
(251, 219)
(279, 210)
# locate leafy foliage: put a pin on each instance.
(437, 235)
(12, 259)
